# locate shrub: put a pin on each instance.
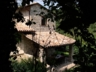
(27, 66)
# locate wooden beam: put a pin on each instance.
(71, 52)
(17, 54)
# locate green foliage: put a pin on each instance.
(76, 13)
(62, 53)
(61, 31)
(8, 39)
(17, 36)
(85, 47)
(27, 66)
(92, 29)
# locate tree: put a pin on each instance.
(8, 32)
(76, 16)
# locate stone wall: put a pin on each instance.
(32, 11)
(26, 45)
(25, 48)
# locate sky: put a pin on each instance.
(39, 1)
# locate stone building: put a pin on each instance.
(41, 38)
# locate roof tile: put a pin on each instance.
(49, 40)
(22, 27)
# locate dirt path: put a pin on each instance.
(62, 67)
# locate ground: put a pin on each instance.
(61, 67)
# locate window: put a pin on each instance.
(43, 21)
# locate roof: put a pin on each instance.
(28, 6)
(54, 39)
(21, 27)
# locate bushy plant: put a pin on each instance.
(28, 66)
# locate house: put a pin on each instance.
(40, 39)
